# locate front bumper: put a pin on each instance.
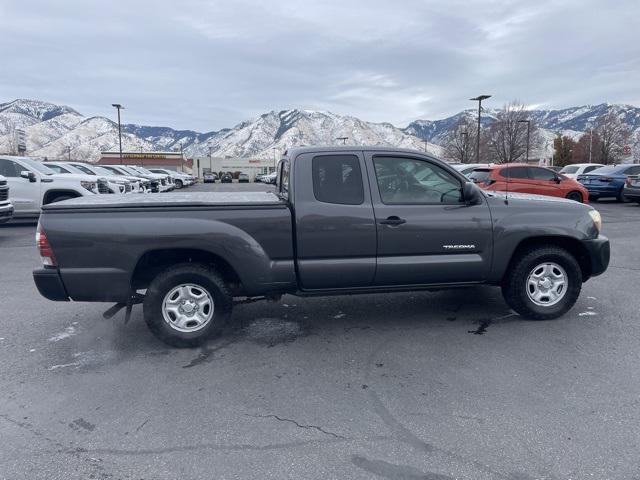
(50, 284)
(6, 213)
(599, 254)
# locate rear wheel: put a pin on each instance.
(575, 196)
(178, 184)
(542, 283)
(187, 304)
(621, 198)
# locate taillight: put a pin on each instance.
(628, 182)
(606, 179)
(46, 252)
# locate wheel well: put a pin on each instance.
(50, 195)
(153, 262)
(571, 245)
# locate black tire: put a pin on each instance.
(621, 198)
(514, 285)
(178, 184)
(187, 273)
(575, 196)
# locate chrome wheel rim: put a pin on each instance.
(188, 307)
(547, 284)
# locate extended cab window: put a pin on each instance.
(413, 181)
(337, 179)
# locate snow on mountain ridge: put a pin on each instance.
(51, 130)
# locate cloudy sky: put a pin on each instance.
(210, 64)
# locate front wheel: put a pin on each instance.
(543, 283)
(178, 184)
(187, 304)
(575, 196)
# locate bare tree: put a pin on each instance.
(636, 147)
(612, 135)
(507, 136)
(459, 142)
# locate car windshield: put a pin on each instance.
(142, 170)
(103, 171)
(569, 169)
(39, 166)
(611, 169)
(72, 168)
(478, 176)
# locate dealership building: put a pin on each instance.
(168, 160)
(250, 166)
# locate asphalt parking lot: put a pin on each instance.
(435, 385)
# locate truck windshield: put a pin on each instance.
(39, 166)
(569, 169)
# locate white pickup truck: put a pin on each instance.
(33, 184)
(6, 207)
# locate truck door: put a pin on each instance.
(426, 233)
(334, 224)
(23, 193)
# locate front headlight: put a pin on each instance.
(91, 186)
(597, 219)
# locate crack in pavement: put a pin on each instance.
(234, 447)
(315, 427)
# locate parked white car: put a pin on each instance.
(33, 184)
(467, 168)
(165, 181)
(575, 169)
(106, 183)
(180, 179)
(6, 207)
(144, 184)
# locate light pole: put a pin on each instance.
(426, 142)
(528, 122)
(119, 107)
(479, 99)
(210, 161)
(590, 143)
(344, 139)
(69, 152)
(274, 158)
(465, 145)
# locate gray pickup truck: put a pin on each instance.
(342, 221)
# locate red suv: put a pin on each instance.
(525, 178)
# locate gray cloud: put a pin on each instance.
(210, 64)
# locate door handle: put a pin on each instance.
(393, 220)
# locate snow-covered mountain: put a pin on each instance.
(54, 131)
(570, 121)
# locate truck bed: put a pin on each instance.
(181, 200)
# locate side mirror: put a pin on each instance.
(471, 194)
(558, 179)
(28, 175)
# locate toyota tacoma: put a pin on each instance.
(343, 220)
